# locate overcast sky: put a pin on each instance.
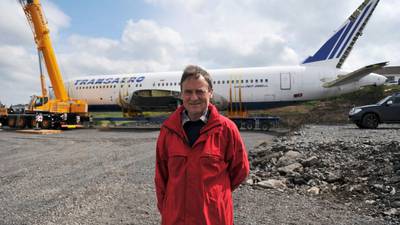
(123, 36)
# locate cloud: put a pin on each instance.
(16, 74)
(147, 40)
(19, 71)
(13, 24)
(215, 34)
(189, 5)
(143, 46)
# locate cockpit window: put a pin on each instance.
(39, 102)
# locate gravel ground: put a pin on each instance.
(99, 177)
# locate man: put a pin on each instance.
(200, 158)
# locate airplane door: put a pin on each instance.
(286, 81)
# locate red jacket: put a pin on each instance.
(194, 184)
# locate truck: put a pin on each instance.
(43, 111)
(244, 120)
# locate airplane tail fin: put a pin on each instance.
(338, 47)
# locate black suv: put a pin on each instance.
(386, 110)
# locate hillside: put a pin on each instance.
(330, 111)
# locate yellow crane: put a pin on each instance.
(62, 111)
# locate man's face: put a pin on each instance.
(196, 96)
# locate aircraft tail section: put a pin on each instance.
(338, 47)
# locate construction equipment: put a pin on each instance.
(62, 111)
(3, 114)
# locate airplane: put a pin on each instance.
(318, 76)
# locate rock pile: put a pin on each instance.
(351, 165)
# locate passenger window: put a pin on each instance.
(396, 100)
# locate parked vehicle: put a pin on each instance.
(386, 110)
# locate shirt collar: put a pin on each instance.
(185, 117)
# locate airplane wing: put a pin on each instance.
(355, 75)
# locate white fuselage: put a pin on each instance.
(257, 88)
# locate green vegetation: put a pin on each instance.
(367, 95)
(331, 110)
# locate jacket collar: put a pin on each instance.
(185, 117)
(174, 122)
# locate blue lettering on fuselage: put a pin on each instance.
(140, 79)
(107, 81)
(115, 81)
(132, 79)
(83, 82)
(110, 80)
(99, 81)
(91, 81)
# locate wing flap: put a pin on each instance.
(355, 75)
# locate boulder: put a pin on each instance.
(288, 158)
(273, 184)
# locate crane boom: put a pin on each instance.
(61, 111)
(41, 32)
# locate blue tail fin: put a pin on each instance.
(335, 51)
